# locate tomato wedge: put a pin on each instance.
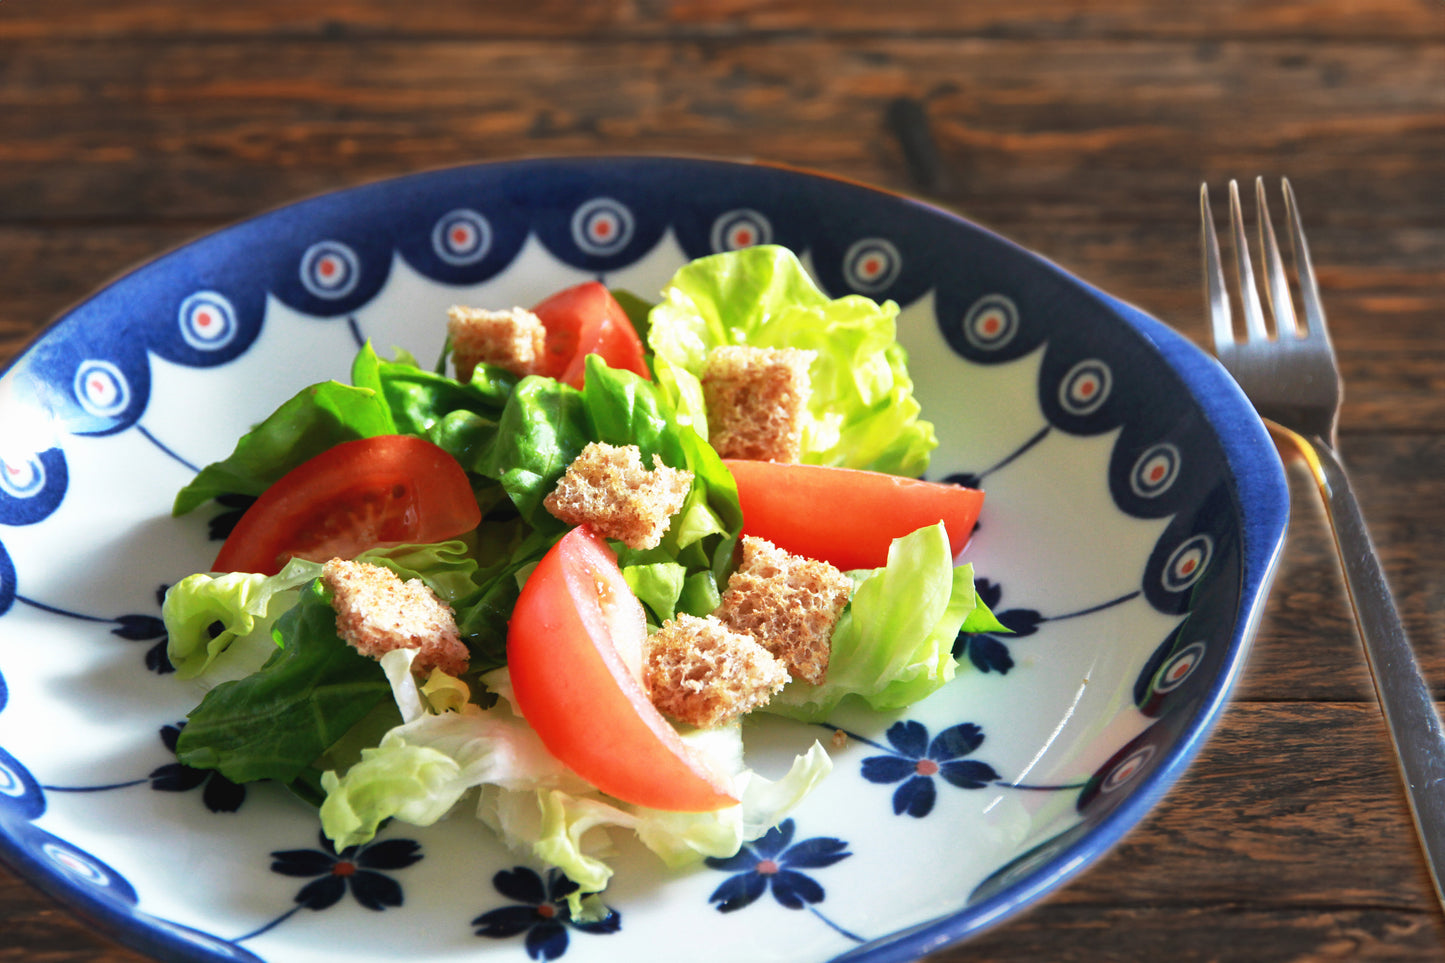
(574, 649)
(351, 497)
(847, 516)
(586, 319)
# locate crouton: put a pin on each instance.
(756, 398)
(508, 339)
(788, 603)
(607, 488)
(699, 671)
(377, 612)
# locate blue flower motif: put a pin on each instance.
(141, 628)
(541, 912)
(354, 869)
(220, 794)
(772, 863)
(220, 526)
(986, 650)
(915, 760)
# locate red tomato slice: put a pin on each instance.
(574, 649)
(846, 516)
(582, 320)
(358, 494)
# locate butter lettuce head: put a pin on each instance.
(862, 412)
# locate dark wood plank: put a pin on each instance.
(1308, 647)
(1191, 933)
(1288, 839)
(36, 929)
(114, 130)
(1080, 130)
(1399, 20)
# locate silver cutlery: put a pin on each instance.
(1290, 375)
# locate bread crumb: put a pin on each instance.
(607, 488)
(839, 740)
(699, 671)
(788, 603)
(756, 399)
(376, 613)
(512, 339)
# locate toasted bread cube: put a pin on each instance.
(511, 339)
(376, 612)
(699, 671)
(607, 488)
(788, 603)
(756, 398)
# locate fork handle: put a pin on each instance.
(1405, 699)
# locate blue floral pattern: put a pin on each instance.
(988, 651)
(220, 794)
(133, 627)
(773, 864)
(541, 912)
(219, 526)
(355, 870)
(915, 761)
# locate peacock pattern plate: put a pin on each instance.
(1134, 511)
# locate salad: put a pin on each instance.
(412, 497)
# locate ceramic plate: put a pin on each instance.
(1134, 510)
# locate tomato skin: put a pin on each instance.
(586, 319)
(351, 497)
(572, 683)
(861, 512)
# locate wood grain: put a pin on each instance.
(1265, 819)
(1081, 130)
(170, 134)
(1409, 21)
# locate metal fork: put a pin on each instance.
(1291, 377)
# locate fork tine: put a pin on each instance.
(1254, 328)
(1216, 294)
(1314, 310)
(1277, 285)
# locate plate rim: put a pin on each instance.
(1258, 490)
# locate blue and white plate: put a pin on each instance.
(1135, 508)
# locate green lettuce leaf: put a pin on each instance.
(462, 419)
(313, 420)
(448, 568)
(205, 615)
(862, 412)
(894, 643)
(384, 398)
(423, 768)
(546, 424)
(208, 615)
(482, 616)
(657, 585)
(274, 723)
(542, 429)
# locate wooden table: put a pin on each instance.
(1081, 129)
